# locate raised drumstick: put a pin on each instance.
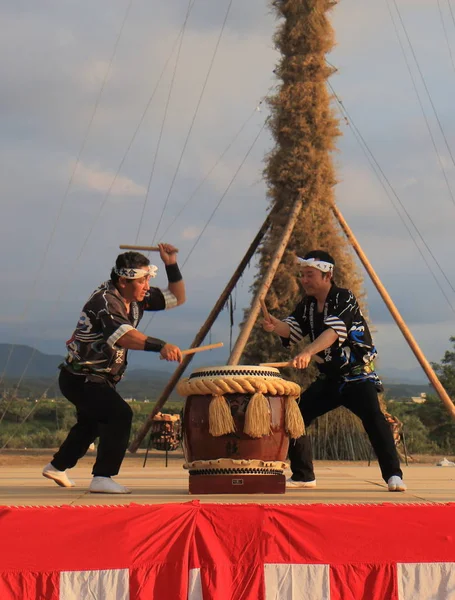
(265, 312)
(147, 248)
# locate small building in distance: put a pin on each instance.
(421, 399)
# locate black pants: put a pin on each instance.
(360, 398)
(101, 412)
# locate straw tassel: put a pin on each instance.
(220, 417)
(257, 416)
(293, 419)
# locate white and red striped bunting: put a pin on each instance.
(415, 581)
(228, 552)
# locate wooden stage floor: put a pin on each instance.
(21, 483)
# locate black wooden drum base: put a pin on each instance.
(237, 484)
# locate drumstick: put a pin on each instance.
(317, 359)
(276, 364)
(202, 348)
(265, 312)
(148, 248)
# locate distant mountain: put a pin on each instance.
(146, 374)
(405, 390)
(28, 362)
(25, 360)
(38, 371)
(394, 375)
(145, 384)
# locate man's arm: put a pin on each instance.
(135, 340)
(176, 285)
(276, 326)
(292, 329)
(118, 331)
(323, 341)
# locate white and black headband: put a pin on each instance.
(321, 265)
(137, 273)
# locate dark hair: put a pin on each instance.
(320, 255)
(129, 260)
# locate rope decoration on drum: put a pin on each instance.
(257, 416)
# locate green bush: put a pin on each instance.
(49, 420)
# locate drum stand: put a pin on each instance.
(164, 435)
(229, 483)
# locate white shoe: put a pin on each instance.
(291, 483)
(396, 484)
(106, 485)
(60, 477)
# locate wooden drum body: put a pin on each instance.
(235, 426)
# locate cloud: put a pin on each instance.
(190, 233)
(95, 179)
(97, 72)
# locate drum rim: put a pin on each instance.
(235, 370)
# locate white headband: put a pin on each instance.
(149, 271)
(321, 265)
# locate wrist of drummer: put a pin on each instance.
(154, 344)
(173, 272)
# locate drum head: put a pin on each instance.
(235, 371)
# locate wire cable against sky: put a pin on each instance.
(217, 162)
(163, 121)
(451, 12)
(194, 116)
(424, 83)
(223, 195)
(446, 37)
(427, 123)
(377, 169)
(30, 295)
(106, 197)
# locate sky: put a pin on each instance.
(118, 128)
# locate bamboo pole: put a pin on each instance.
(200, 336)
(264, 287)
(396, 315)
